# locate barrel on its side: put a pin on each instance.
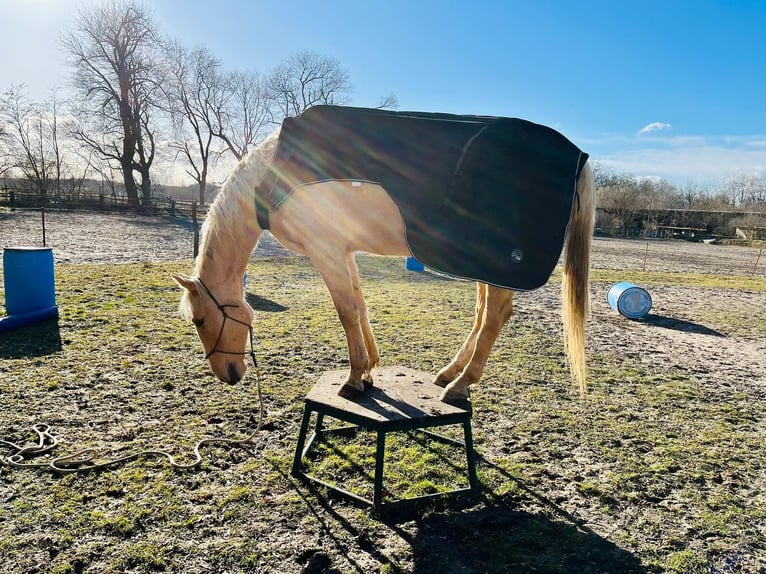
(629, 299)
(30, 288)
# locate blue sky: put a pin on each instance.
(672, 88)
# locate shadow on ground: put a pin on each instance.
(259, 303)
(680, 325)
(484, 534)
(36, 340)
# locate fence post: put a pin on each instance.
(196, 230)
(13, 199)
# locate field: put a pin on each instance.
(660, 468)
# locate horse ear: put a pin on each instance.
(186, 282)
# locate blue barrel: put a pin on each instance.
(630, 300)
(412, 264)
(29, 281)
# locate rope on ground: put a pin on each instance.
(83, 461)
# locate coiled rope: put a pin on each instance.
(84, 460)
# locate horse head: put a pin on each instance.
(223, 326)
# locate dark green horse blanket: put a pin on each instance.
(483, 198)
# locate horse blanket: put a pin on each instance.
(482, 198)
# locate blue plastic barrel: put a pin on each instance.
(629, 299)
(412, 264)
(30, 289)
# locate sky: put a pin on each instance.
(673, 88)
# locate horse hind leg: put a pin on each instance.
(497, 310)
(450, 372)
(373, 355)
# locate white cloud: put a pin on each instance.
(679, 159)
(654, 127)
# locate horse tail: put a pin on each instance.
(575, 283)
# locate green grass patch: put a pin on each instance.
(649, 473)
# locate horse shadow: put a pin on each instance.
(35, 340)
(487, 533)
(680, 325)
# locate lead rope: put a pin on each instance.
(82, 461)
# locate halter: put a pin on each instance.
(222, 309)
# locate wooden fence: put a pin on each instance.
(89, 200)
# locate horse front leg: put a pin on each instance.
(337, 276)
(497, 310)
(369, 338)
(460, 360)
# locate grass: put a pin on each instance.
(649, 473)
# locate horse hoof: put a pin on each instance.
(440, 381)
(452, 396)
(368, 384)
(350, 392)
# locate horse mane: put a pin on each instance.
(237, 195)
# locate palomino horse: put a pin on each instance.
(329, 221)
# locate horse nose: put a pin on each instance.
(234, 376)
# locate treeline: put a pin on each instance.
(140, 101)
(631, 206)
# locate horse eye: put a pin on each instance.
(198, 322)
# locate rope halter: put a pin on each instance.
(226, 316)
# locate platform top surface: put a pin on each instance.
(400, 393)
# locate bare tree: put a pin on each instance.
(389, 102)
(37, 139)
(5, 160)
(746, 190)
(690, 194)
(247, 117)
(31, 138)
(197, 94)
(113, 50)
(307, 79)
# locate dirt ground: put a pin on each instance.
(673, 337)
(111, 238)
(89, 237)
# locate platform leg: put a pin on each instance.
(473, 480)
(318, 426)
(377, 492)
(301, 440)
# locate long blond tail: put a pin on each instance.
(575, 284)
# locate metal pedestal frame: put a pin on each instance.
(400, 401)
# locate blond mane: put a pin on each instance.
(237, 194)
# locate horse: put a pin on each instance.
(329, 221)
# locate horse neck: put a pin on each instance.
(224, 255)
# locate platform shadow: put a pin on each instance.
(496, 536)
(35, 340)
(487, 533)
(498, 539)
(680, 325)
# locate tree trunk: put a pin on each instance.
(146, 187)
(202, 185)
(130, 183)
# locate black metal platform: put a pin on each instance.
(402, 399)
